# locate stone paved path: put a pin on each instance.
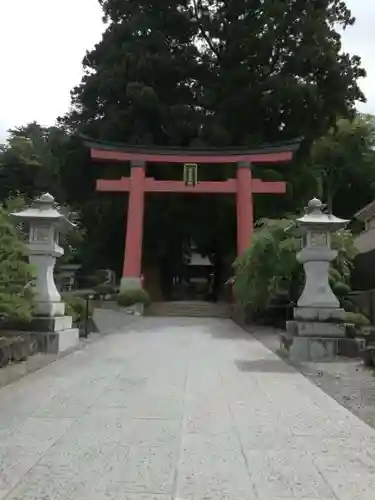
(179, 409)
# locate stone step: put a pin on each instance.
(187, 313)
(190, 309)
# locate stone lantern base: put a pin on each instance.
(325, 314)
(318, 341)
(49, 309)
(54, 335)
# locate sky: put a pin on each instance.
(43, 42)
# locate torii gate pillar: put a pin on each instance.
(132, 270)
(245, 216)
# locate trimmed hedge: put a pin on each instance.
(75, 306)
(105, 289)
(357, 319)
(128, 298)
(340, 289)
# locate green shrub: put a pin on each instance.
(348, 306)
(334, 276)
(357, 319)
(104, 289)
(100, 277)
(128, 298)
(75, 306)
(341, 289)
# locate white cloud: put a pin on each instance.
(42, 43)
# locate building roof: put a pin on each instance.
(367, 212)
(291, 145)
(281, 151)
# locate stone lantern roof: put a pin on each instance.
(315, 218)
(44, 209)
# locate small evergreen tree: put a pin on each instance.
(16, 295)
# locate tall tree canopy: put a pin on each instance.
(139, 80)
(236, 72)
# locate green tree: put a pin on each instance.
(343, 164)
(139, 80)
(28, 164)
(234, 72)
(276, 67)
(16, 296)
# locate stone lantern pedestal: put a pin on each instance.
(51, 327)
(318, 330)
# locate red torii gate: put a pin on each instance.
(244, 186)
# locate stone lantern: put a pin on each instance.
(318, 330)
(318, 302)
(44, 223)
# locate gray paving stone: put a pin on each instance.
(159, 407)
(116, 425)
(286, 473)
(212, 422)
(15, 462)
(145, 404)
(77, 457)
(40, 484)
(154, 432)
(9, 422)
(38, 434)
(205, 473)
(129, 383)
(179, 409)
(63, 407)
(112, 491)
(143, 469)
(214, 443)
(118, 399)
